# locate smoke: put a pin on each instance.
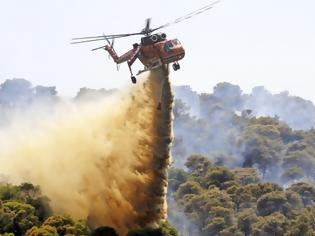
(104, 160)
(297, 112)
(188, 97)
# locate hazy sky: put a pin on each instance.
(245, 42)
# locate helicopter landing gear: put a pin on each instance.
(176, 66)
(133, 79)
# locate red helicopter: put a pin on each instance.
(153, 51)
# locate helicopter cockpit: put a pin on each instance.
(169, 45)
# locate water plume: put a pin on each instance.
(102, 160)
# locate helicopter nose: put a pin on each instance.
(178, 50)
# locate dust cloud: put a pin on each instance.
(105, 161)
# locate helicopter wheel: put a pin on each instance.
(133, 79)
(176, 66)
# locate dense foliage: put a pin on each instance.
(221, 201)
(254, 175)
(25, 211)
(280, 153)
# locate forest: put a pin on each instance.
(25, 211)
(243, 164)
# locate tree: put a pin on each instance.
(257, 190)
(42, 231)
(242, 197)
(245, 220)
(66, 225)
(306, 191)
(246, 176)
(304, 224)
(275, 224)
(210, 209)
(188, 188)
(271, 202)
(303, 160)
(8, 192)
(217, 176)
(176, 177)
(27, 193)
(6, 221)
(17, 217)
(215, 226)
(167, 229)
(198, 164)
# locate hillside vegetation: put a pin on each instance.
(222, 201)
(25, 211)
(244, 164)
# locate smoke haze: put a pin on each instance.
(104, 160)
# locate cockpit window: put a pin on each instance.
(168, 46)
(176, 42)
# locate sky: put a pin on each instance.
(244, 42)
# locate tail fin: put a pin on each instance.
(109, 48)
(111, 52)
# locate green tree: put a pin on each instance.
(211, 209)
(275, 224)
(306, 191)
(245, 220)
(241, 196)
(246, 176)
(190, 187)
(176, 177)
(197, 164)
(18, 217)
(303, 224)
(42, 231)
(217, 176)
(66, 225)
(271, 202)
(257, 190)
(27, 193)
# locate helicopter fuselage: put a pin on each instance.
(153, 51)
(156, 50)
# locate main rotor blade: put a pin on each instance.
(107, 36)
(90, 37)
(87, 41)
(188, 16)
(147, 25)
